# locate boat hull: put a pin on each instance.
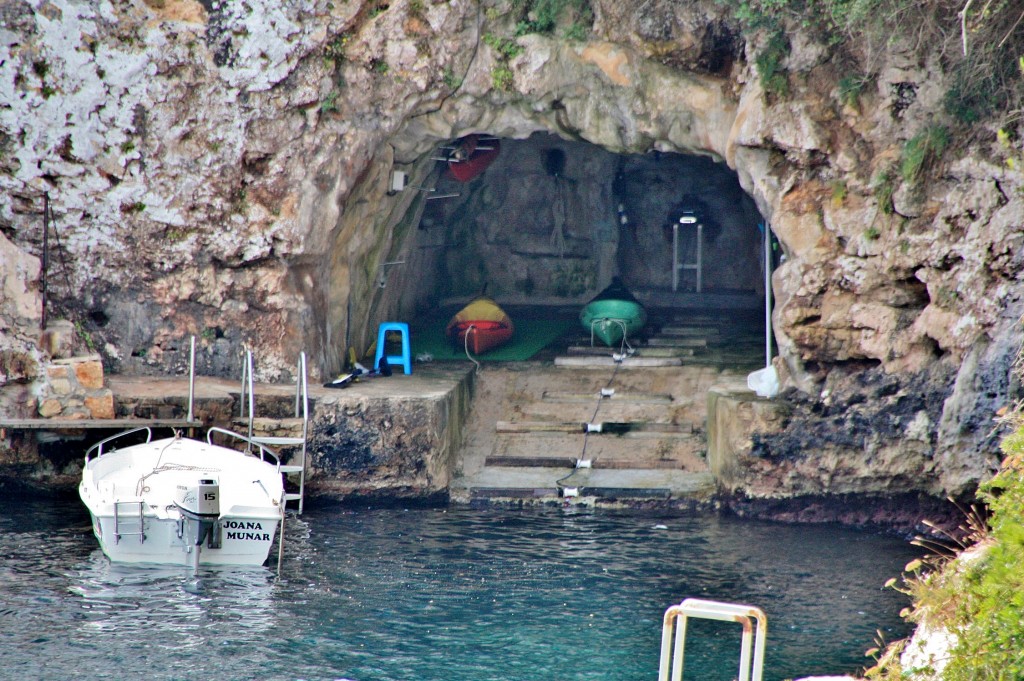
(245, 540)
(481, 326)
(611, 320)
(139, 500)
(482, 336)
(477, 159)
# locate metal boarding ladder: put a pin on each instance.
(297, 470)
(697, 266)
(129, 522)
(755, 629)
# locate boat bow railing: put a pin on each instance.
(266, 454)
(98, 447)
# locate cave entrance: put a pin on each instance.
(547, 223)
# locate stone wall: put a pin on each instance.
(74, 389)
(388, 448)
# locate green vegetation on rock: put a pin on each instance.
(922, 150)
(984, 44)
(979, 596)
(989, 618)
(544, 16)
(506, 49)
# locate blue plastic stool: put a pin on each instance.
(405, 359)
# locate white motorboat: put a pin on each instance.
(183, 501)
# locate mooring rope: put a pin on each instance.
(465, 339)
(602, 394)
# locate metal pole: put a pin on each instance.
(46, 256)
(767, 295)
(700, 255)
(675, 257)
(280, 540)
(191, 379)
(252, 397)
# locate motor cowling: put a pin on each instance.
(199, 505)
(199, 500)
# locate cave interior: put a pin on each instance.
(543, 224)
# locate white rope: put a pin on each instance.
(586, 432)
(465, 338)
(624, 347)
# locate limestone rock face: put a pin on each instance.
(222, 170)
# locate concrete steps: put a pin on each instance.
(527, 433)
(645, 443)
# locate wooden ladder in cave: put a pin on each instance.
(295, 470)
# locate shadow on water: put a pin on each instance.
(448, 594)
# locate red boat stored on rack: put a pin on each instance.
(472, 156)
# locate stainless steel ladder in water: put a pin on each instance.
(673, 635)
(294, 469)
(133, 519)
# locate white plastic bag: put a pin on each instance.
(764, 382)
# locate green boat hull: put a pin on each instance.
(610, 318)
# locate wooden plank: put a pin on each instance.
(530, 462)
(513, 492)
(607, 428)
(595, 350)
(600, 463)
(681, 350)
(677, 342)
(688, 331)
(618, 397)
(538, 427)
(629, 362)
(664, 352)
(627, 492)
(640, 465)
(95, 424)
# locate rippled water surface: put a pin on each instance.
(443, 594)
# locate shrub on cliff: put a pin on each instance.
(970, 610)
(979, 44)
(989, 620)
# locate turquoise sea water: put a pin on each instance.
(454, 594)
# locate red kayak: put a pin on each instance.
(480, 326)
(471, 157)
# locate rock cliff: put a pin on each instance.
(224, 170)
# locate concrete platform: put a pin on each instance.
(426, 380)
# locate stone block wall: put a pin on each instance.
(74, 388)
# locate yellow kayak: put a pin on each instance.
(480, 326)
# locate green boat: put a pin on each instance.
(613, 314)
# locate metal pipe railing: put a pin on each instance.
(767, 295)
(673, 636)
(98, 447)
(249, 444)
(191, 380)
(247, 398)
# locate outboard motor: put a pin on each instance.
(199, 506)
